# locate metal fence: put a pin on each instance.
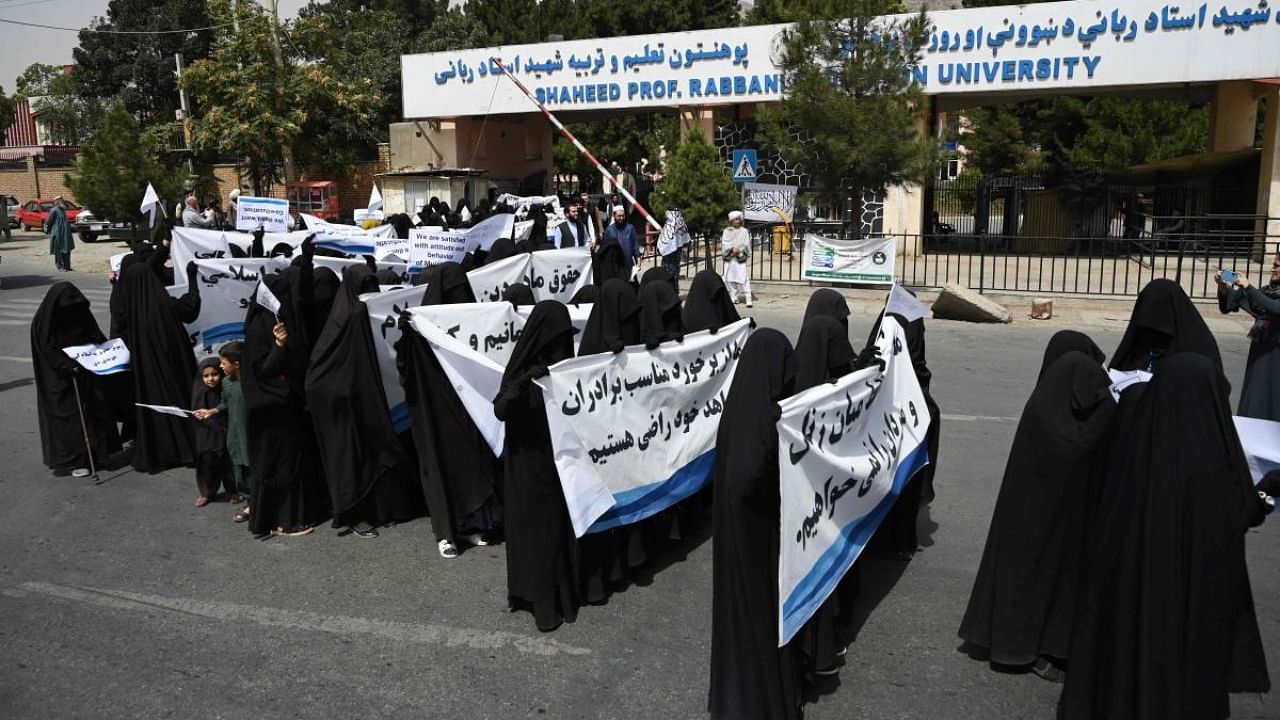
(1188, 251)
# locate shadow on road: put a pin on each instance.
(17, 282)
(16, 384)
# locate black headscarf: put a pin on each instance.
(658, 274)
(64, 319)
(211, 434)
(660, 315)
(274, 377)
(446, 285)
(586, 295)
(402, 223)
(608, 262)
(347, 402)
(518, 294)
(1165, 626)
(1065, 341)
(387, 276)
(614, 321)
(1024, 597)
(823, 352)
(1164, 322)
(501, 249)
(825, 301)
(324, 289)
(163, 365)
(708, 305)
(547, 339)
(750, 675)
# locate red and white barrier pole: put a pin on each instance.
(581, 148)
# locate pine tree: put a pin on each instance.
(696, 183)
(113, 168)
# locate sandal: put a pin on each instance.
(235, 499)
(202, 501)
(478, 539)
(293, 533)
(242, 516)
(447, 549)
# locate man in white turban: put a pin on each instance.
(735, 246)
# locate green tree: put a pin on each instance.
(253, 109)
(139, 70)
(997, 145)
(697, 184)
(113, 168)
(624, 138)
(70, 117)
(7, 107)
(851, 96)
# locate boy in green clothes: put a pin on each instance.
(237, 415)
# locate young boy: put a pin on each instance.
(237, 414)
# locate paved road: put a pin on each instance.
(125, 601)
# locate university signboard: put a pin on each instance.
(1081, 45)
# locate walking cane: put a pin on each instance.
(88, 447)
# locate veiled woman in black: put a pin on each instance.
(608, 262)
(460, 477)
(289, 494)
(751, 677)
(1260, 393)
(370, 475)
(660, 315)
(540, 543)
(163, 364)
(825, 301)
(708, 305)
(614, 321)
(65, 319)
(1165, 626)
(1164, 321)
(1024, 597)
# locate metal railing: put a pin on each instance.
(1190, 255)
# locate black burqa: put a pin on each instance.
(541, 549)
(1024, 597)
(501, 249)
(708, 306)
(368, 473)
(446, 284)
(586, 295)
(614, 321)
(457, 469)
(163, 365)
(825, 301)
(751, 677)
(1260, 391)
(1065, 341)
(1165, 626)
(324, 290)
(609, 262)
(660, 315)
(519, 294)
(289, 488)
(658, 274)
(65, 319)
(1164, 321)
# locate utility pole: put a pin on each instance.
(273, 6)
(186, 114)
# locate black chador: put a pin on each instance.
(825, 301)
(369, 474)
(660, 315)
(1164, 321)
(1165, 625)
(708, 305)
(614, 321)
(540, 543)
(163, 364)
(63, 320)
(1024, 597)
(751, 677)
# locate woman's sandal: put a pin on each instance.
(243, 515)
(447, 549)
(202, 501)
(294, 533)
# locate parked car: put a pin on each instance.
(89, 227)
(33, 214)
(12, 203)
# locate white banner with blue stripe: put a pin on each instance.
(635, 432)
(226, 287)
(845, 451)
(107, 358)
(384, 316)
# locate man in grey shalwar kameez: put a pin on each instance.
(59, 229)
(1260, 394)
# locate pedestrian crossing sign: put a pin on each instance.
(744, 165)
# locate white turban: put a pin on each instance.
(735, 215)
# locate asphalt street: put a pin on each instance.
(123, 600)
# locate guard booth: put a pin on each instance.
(316, 197)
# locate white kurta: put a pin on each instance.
(736, 239)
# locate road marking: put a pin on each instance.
(15, 322)
(421, 633)
(978, 418)
(14, 358)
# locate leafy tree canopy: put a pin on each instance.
(697, 184)
(70, 117)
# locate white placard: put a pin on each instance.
(384, 315)
(867, 261)
(845, 451)
(270, 214)
(1261, 442)
(432, 246)
(635, 432)
(117, 260)
(1122, 379)
(551, 274)
(107, 358)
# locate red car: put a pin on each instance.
(33, 213)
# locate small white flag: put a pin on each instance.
(166, 409)
(903, 303)
(267, 299)
(675, 234)
(150, 204)
(375, 199)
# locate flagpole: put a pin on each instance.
(581, 148)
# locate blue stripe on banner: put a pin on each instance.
(112, 370)
(344, 246)
(649, 500)
(400, 417)
(832, 564)
(225, 332)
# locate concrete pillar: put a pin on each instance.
(1233, 116)
(703, 118)
(1268, 227)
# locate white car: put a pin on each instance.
(89, 227)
